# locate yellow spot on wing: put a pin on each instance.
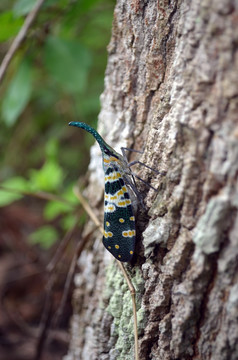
(121, 203)
(107, 234)
(117, 246)
(112, 158)
(132, 218)
(110, 208)
(129, 233)
(108, 178)
(113, 197)
(121, 220)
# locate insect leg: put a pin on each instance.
(148, 167)
(145, 182)
(128, 149)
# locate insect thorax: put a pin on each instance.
(117, 173)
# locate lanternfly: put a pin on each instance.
(119, 219)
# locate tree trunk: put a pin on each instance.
(171, 90)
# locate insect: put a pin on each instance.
(119, 219)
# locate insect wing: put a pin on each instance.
(119, 220)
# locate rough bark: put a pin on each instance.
(171, 90)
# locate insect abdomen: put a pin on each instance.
(119, 220)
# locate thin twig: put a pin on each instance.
(133, 296)
(62, 246)
(19, 38)
(87, 208)
(45, 319)
(40, 195)
(121, 266)
(79, 249)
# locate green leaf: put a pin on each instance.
(18, 93)
(23, 7)
(95, 39)
(60, 3)
(80, 7)
(56, 208)
(9, 25)
(52, 149)
(48, 178)
(70, 196)
(6, 197)
(45, 236)
(68, 62)
(16, 184)
(68, 222)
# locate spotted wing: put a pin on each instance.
(119, 220)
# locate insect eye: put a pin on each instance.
(106, 151)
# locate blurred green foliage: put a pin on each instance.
(55, 77)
